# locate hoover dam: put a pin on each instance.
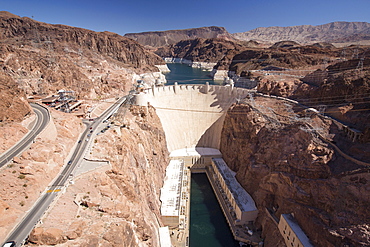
(192, 117)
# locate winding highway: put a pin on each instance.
(42, 121)
(23, 229)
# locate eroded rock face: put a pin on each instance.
(51, 236)
(201, 50)
(117, 204)
(288, 170)
(13, 104)
(44, 58)
(162, 38)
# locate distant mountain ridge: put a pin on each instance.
(331, 32)
(162, 38)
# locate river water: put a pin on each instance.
(208, 226)
(184, 74)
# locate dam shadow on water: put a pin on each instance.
(208, 226)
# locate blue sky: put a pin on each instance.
(124, 16)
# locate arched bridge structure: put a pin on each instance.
(191, 115)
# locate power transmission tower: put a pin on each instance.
(355, 54)
(360, 66)
(343, 55)
(50, 51)
(119, 116)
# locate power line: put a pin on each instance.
(340, 96)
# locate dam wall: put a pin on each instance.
(191, 115)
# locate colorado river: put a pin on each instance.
(208, 226)
(184, 74)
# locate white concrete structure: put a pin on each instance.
(241, 202)
(174, 195)
(292, 232)
(191, 115)
(218, 74)
(163, 68)
(164, 237)
(149, 79)
(197, 158)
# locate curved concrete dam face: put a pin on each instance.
(191, 115)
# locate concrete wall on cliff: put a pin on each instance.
(191, 115)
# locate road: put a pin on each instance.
(42, 121)
(23, 229)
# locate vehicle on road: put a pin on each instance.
(9, 244)
(69, 162)
(79, 141)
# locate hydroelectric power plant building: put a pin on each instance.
(192, 117)
(174, 195)
(239, 203)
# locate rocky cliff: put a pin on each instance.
(288, 169)
(201, 50)
(13, 104)
(43, 58)
(331, 32)
(117, 203)
(162, 38)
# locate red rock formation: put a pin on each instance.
(43, 58)
(289, 170)
(117, 205)
(162, 38)
(13, 104)
(200, 50)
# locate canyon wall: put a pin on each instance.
(13, 104)
(117, 203)
(43, 58)
(162, 38)
(200, 49)
(288, 169)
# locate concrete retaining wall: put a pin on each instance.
(192, 115)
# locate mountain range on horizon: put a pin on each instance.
(339, 32)
(334, 32)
